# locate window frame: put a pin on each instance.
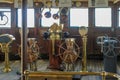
(118, 17)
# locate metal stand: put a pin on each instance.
(110, 58)
(108, 46)
(5, 49)
(83, 32)
(84, 59)
(5, 40)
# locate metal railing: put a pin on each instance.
(103, 74)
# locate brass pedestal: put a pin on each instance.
(83, 32)
(7, 69)
(5, 40)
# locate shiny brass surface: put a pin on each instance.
(69, 53)
(5, 49)
(83, 32)
(55, 31)
(33, 53)
(70, 40)
(56, 73)
(55, 34)
(84, 59)
(6, 39)
(52, 38)
(7, 1)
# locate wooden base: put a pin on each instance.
(54, 63)
(54, 59)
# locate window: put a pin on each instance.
(78, 17)
(30, 18)
(103, 17)
(47, 22)
(5, 18)
(119, 17)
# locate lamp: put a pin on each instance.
(56, 15)
(48, 14)
(1, 14)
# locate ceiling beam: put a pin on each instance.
(116, 1)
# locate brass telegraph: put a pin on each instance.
(55, 34)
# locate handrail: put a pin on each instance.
(83, 73)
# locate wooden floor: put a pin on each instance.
(92, 65)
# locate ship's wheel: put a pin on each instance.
(111, 47)
(32, 51)
(68, 53)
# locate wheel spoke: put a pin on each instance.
(77, 49)
(65, 57)
(62, 48)
(60, 54)
(71, 58)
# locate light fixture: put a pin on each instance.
(78, 3)
(49, 4)
(1, 14)
(48, 13)
(56, 15)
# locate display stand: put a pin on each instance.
(54, 60)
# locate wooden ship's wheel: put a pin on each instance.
(32, 52)
(69, 51)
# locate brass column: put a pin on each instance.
(5, 40)
(5, 49)
(84, 59)
(83, 32)
(52, 37)
(55, 34)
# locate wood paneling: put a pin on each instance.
(93, 33)
(37, 32)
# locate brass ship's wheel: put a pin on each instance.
(32, 51)
(32, 54)
(69, 52)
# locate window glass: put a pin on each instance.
(119, 18)
(78, 17)
(47, 22)
(103, 17)
(30, 18)
(5, 18)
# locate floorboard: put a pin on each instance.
(92, 65)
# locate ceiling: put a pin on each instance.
(13, 1)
